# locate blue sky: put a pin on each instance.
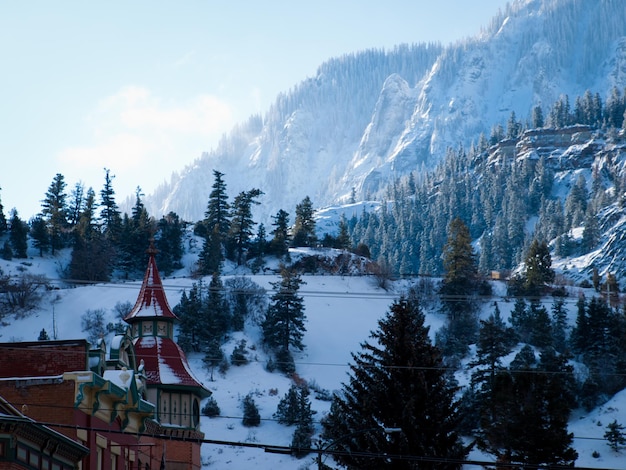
(143, 87)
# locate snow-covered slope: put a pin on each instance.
(340, 310)
(368, 117)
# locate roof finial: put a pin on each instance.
(152, 250)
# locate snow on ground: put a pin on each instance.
(340, 311)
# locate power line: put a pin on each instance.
(281, 449)
(226, 417)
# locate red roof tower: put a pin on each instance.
(171, 384)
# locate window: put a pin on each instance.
(22, 453)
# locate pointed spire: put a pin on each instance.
(151, 302)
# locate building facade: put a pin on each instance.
(133, 405)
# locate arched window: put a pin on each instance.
(196, 413)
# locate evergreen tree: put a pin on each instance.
(413, 397)
(279, 244)
(295, 408)
(3, 221)
(532, 405)
(241, 225)
(215, 314)
(283, 326)
(109, 213)
(541, 334)
(559, 325)
(457, 289)
(137, 234)
(92, 253)
(210, 258)
(513, 128)
(76, 204)
(304, 225)
(259, 248)
(615, 435)
(579, 332)
(591, 233)
(213, 356)
(18, 235)
(169, 242)
(343, 237)
(217, 215)
(246, 299)
(459, 261)
(188, 310)
(495, 341)
(539, 270)
(54, 210)
(39, 234)
(537, 121)
(251, 416)
(522, 320)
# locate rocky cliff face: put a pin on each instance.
(368, 118)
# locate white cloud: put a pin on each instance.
(143, 138)
(135, 108)
(121, 151)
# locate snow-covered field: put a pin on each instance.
(340, 311)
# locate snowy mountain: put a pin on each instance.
(372, 116)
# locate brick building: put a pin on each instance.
(135, 405)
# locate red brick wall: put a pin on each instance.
(41, 401)
(42, 358)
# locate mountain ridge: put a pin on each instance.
(355, 125)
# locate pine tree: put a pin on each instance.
(3, 221)
(246, 299)
(251, 416)
(295, 408)
(188, 310)
(343, 237)
(495, 341)
(279, 244)
(615, 435)
(522, 320)
(537, 121)
(218, 209)
(213, 356)
(76, 204)
(39, 234)
(215, 314)
(210, 258)
(18, 235)
(559, 325)
(54, 209)
(169, 243)
(136, 235)
(92, 253)
(283, 326)
(241, 225)
(532, 405)
(304, 225)
(109, 214)
(457, 289)
(539, 270)
(412, 398)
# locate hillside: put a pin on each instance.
(370, 117)
(340, 310)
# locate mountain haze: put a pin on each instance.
(372, 116)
